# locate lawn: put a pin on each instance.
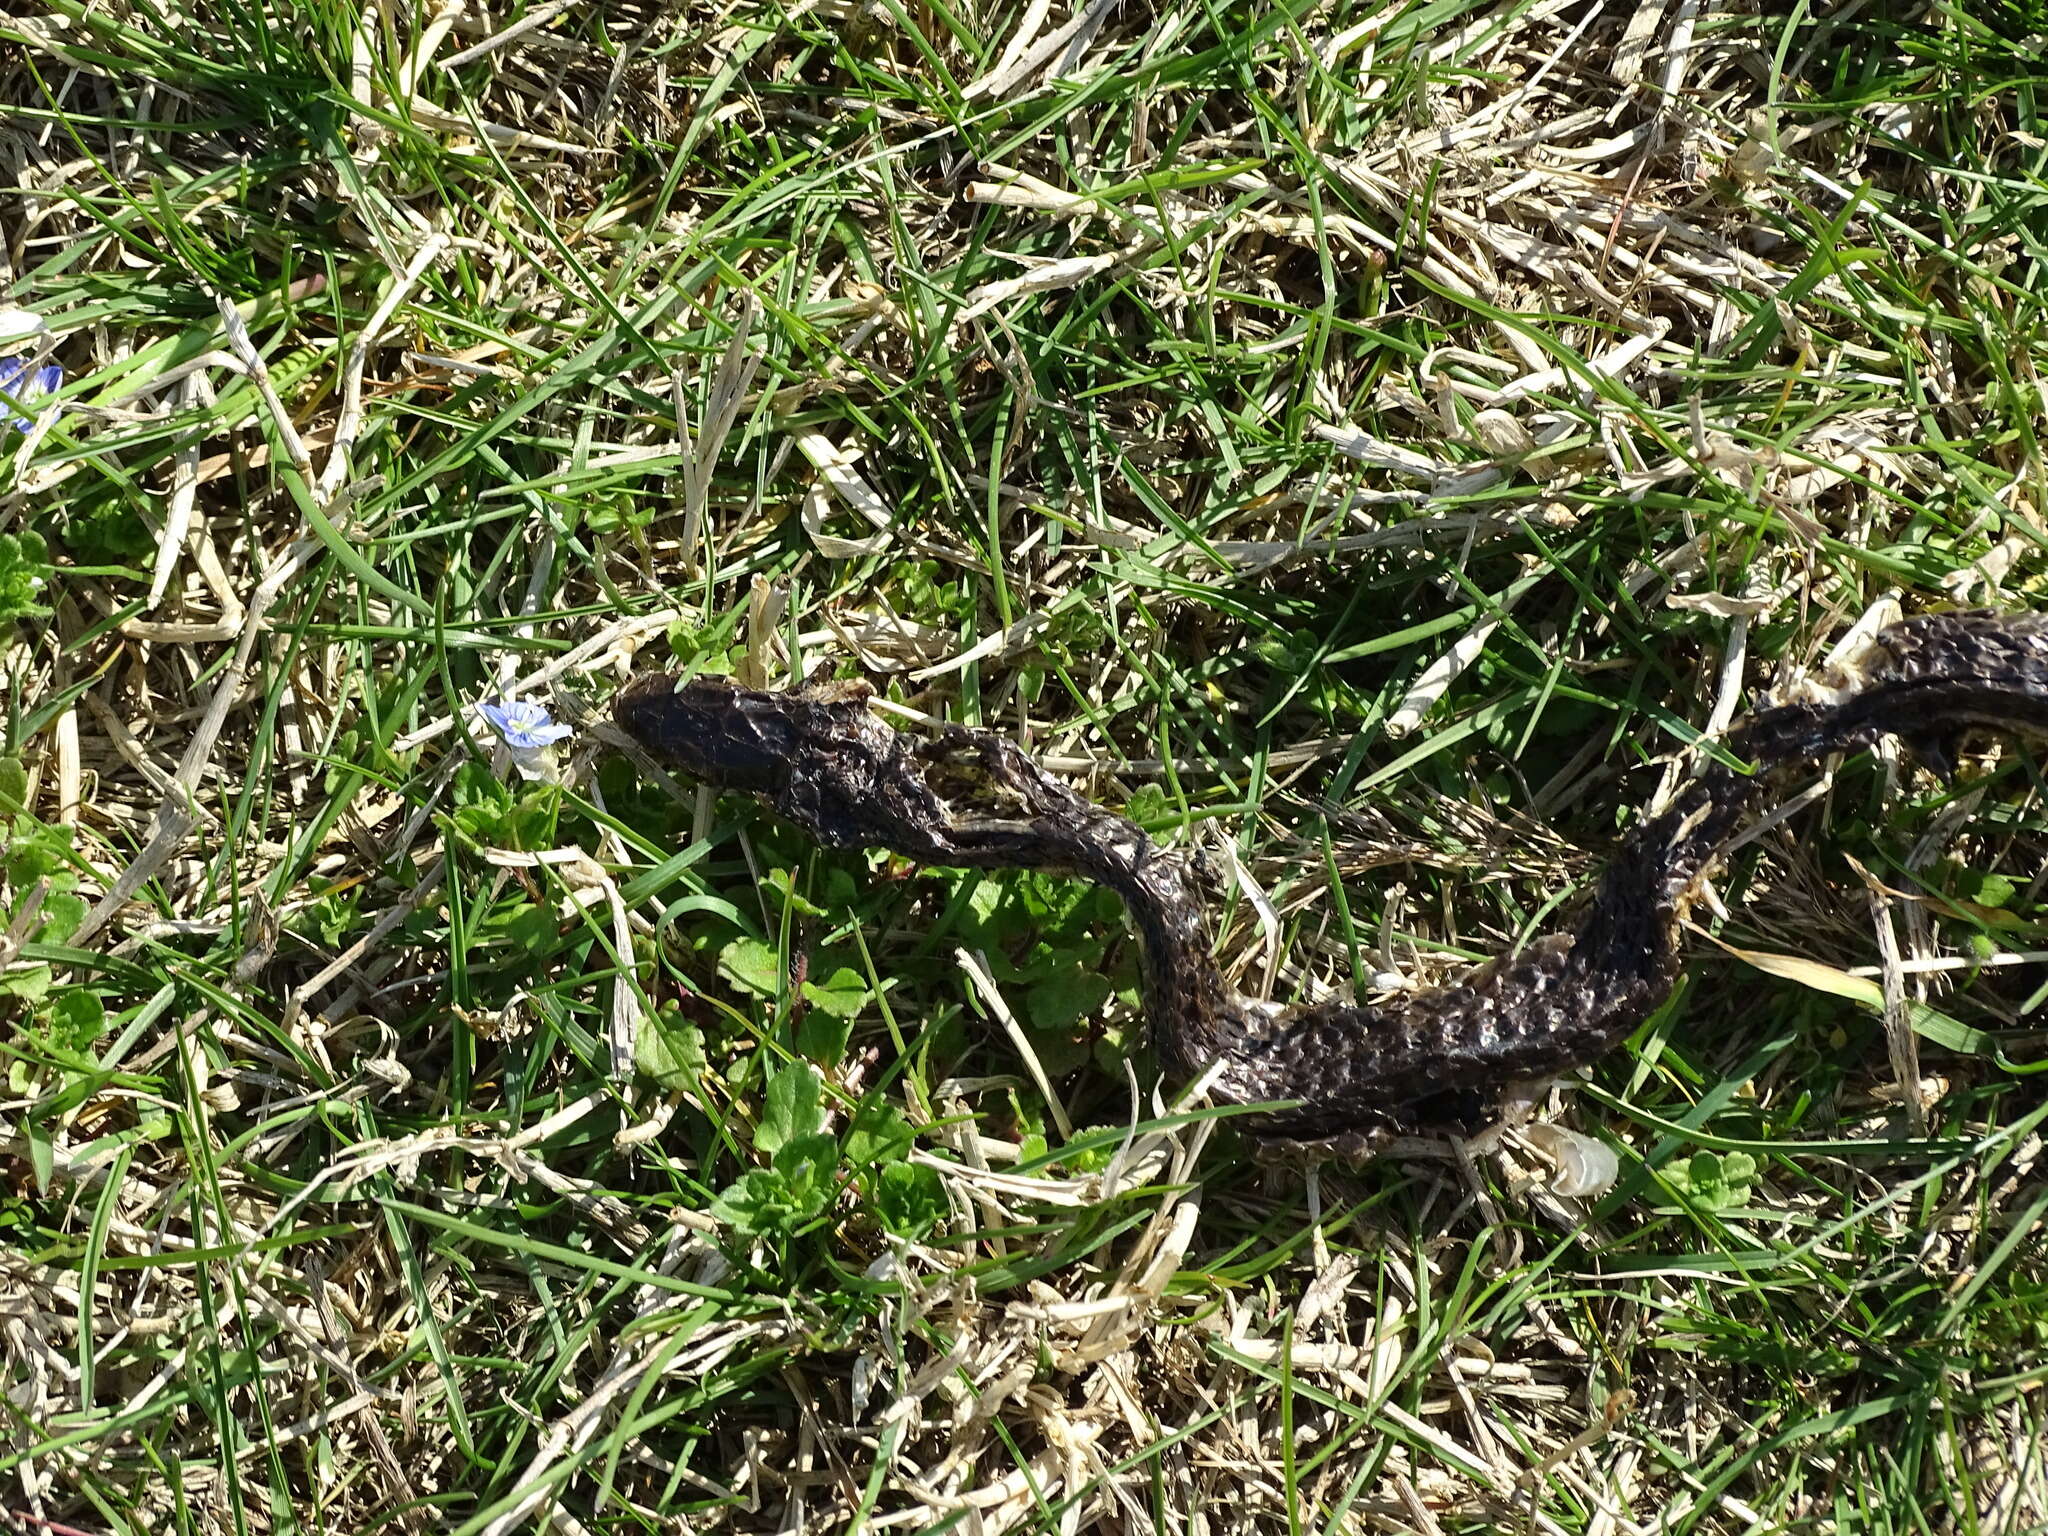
(1367, 443)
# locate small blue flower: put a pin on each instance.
(524, 725)
(26, 386)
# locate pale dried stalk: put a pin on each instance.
(1901, 1043)
(184, 494)
(985, 987)
(351, 420)
(532, 21)
(176, 813)
(702, 449)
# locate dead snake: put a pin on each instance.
(969, 798)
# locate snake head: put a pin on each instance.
(710, 728)
(754, 742)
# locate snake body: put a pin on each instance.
(820, 758)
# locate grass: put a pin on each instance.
(396, 1143)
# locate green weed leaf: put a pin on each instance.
(76, 1019)
(1068, 996)
(669, 1050)
(910, 1199)
(879, 1134)
(24, 569)
(1984, 890)
(791, 1110)
(783, 881)
(1715, 1181)
(842, 994)
(758, 1203)
(751, 966)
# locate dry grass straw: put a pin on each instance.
(1078, 370)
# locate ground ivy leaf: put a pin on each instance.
(24, 568)
(670, 1050)
(879, 1134)
(1149, 806)
(1985, 890)
(1066, 997)
(910, 1199)
(821, 1037)
(36, 851)
(752, 966)
(842, 994)
(61, 913)
(13, 786)
(534, 929)
(800, 1161)
(784, 881)
(791, 1109)
(30, 982)
(984, 899)
(758, 1203)
(77, 1018)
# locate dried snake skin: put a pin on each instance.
(820, 759)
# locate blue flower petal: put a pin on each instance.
(523, 725)
(25, 387)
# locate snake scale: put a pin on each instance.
(820, 758)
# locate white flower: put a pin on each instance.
(21, 324)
